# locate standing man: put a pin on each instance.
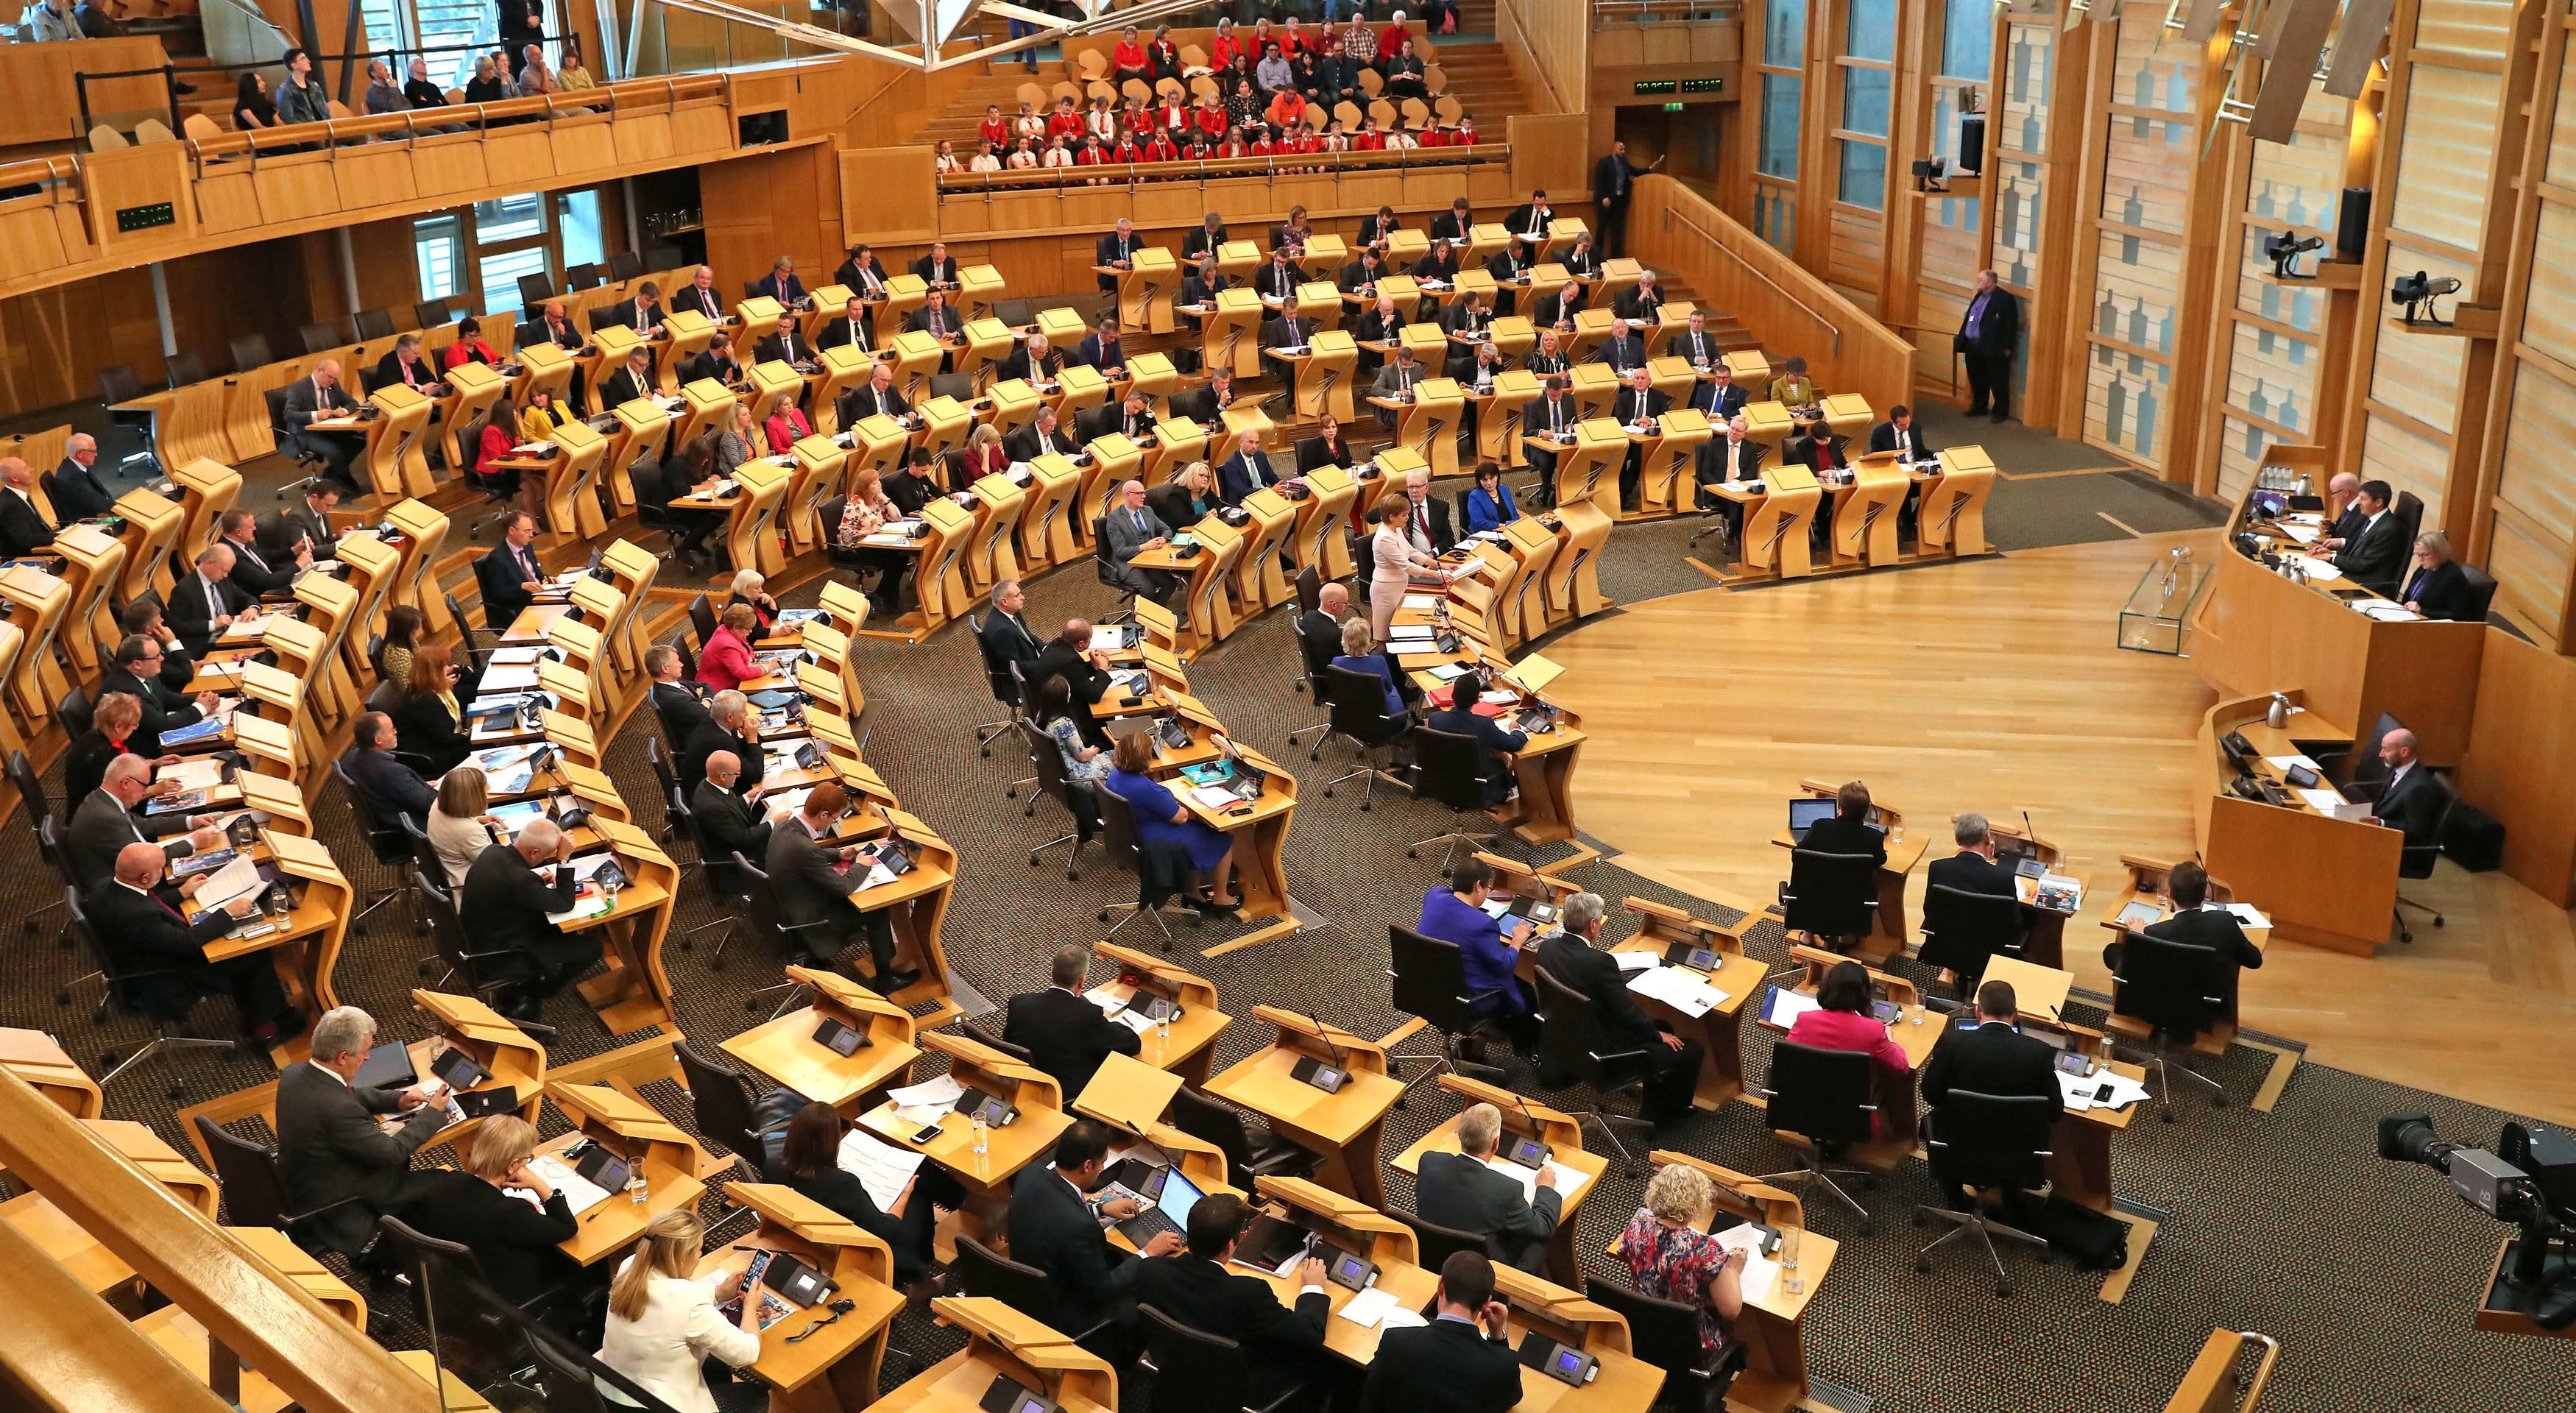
(1986, 341)
(1614, 182)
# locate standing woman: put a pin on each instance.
(1161, 819)
(1392, 562)
(662, 1320)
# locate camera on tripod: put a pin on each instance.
(2529, 1179)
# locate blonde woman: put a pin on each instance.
(515, 1240)
(460, 822)
(662, 1319)
(1670, 1258)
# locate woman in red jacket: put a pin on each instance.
(724, 664)
(786, 427)
(1128, 60)
(1223, 48)
(469, 345)
(1841, 1021)
(983, 456)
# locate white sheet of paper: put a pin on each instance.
(508, 679)
(2322, 801)
(1569, 1183)
(2248, 915)
(201, 774)
(1368, 1307)
(879, 1166)
(1679, 988)
(941, 1092)
(1213, 798)
(1636, 961)
(2322, 571)
(579, 1193)
(2283, 763)
(516, 657)
(237, 879)
(1419, 600)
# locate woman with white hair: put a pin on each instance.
(2436, 587)
(749, 587)
(1670, 1258)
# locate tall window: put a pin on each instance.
(476, 255)
(1775, 166)
(1860, 135)
(1953, 225)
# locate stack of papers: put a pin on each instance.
(1636, 961)
(1569, 1183)
(238, 879)
(516, 657)
(2383, 611)
(579, 1193)
(879, 1166)
(1679, 988)
(1420, 601)
(1374, 1308)
(2248, 915)
(1213, 797)
(929, 1101)
(202, 774)
(2322, 571)
(2078, 1090)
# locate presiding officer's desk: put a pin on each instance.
(2324, 881)
(1344, 1128)
(2257, 632)
(1578, 1172)
(1888, 935)
(1772, 1323)
(784, 1050)
(832, 1368)
(1001, 1342)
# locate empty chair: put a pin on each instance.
(1247, 1155)
(250, 351)
(625, 265)
(581, 277)
(534, 291)
(720, 1102)
(374, 324)
(1827, 1097)
(430, 314)
(1437, 1243)
(980, 1272)
(181, 370)
(117, 383)
(323, 335)
(1449, 768)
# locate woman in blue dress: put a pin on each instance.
(1356, 657)
(1489, 505)
(1162, 819)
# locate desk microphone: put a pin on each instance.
(2027, 832)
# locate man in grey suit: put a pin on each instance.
(314, 518)
(111, 818)
(1395, 381)
(319, 396)
(811, 891)
(1131, 528)
(1458, 1191)
(335, 1160)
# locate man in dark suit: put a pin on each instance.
(403, 366)
(1995, 1058)
(554, 325)
(1381, 322)
(1730, 456)
(629, 383)
(136, 670)
(1085, 668)
(1246, 471)
(1319, 634)
(727, 728)
(149, 935)
(701, 297)
(1006, 632)
(811, 890)
(714, 362)
(1553, 410)
(1459, 1191)
(1696, 346)
(1429, 519)
(1973, 869)
(1278, 279)
(1614, 185)
(1033, 362)
(643, 313)
(1494, 744)
(1454, 223)
(781, 283)
(1989, 334)
(727, 824)
(319, 396)
(110, 818)
(785, 344)
(1508, 266)
(862, 274)
(1899, 434)
(1065, 1034)
(1042, 436)
(681, 704)
(1468, 317)
(1204, 240)
(1529, 221)
(1117, 251)
(877, 395)
(1623, 350)
(936, 318)
(1290, 330)
(312, 519)
(73, 487)
(2343, 514)
(1130, 417)
(1055, 1226)
(504, 905)
(1461, 1362)
(1716, 398)
(1573, 956)
(1636, 408)
(937, 268)
(856, 328)
(1100, 349)
(2200, 924)
(1641, 303)
(509, 575)
(2411, 800)
(1848, 831)
(390, 786)
(1360, 274)
(1197, 1288)
(256, 571)
(2377, 556)
(331, 1151)
(1207, 405)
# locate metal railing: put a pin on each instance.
(1670, 216)
(1135, 174)
(174, 74)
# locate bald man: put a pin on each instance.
(318, 396)
(2344, 516)
(152, 939)
(725, 822)
(2411, 800)
(504, 907)
(110, 820)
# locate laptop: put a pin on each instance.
(1170, 1212)
(1806, 813)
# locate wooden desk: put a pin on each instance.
(1720, 1031)
(834, 1368)
(1003, 1342)
(1950, 516)
(1889, 934)
(1030, 1138)
(785, 1051)
(515, 1061)
(40, 1060)
(2323, 881)
(1191, 1044)
(1915, 1031)
(1777, 512)
(637, 1133)
(55, 1232)
(1560, 1131)
(1772, 1324)
(1343, 1128)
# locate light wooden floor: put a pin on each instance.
(1994, 686)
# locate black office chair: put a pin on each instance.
(2410, 515)
(1829, 1098)
(1314, 656)
(1197, 1372)
(167, 1009)
(1449, 768)
(1436, 1244)
(254, 1192)
(1986, 1141)
(250, 351)
(586, 276)
(1570, 1044)
(720, 1101)
(1962, 931)
(181, 370)
(1248, 1155)
(2174, 990)
(1833, 898)
(1157, 878)
(768, 923)
(117, 383)
(624, 265)
(430, 314)
(2417, 860)
(564, 1376)
(373, 324)
(1016, 313)
(725, 882)
(1359, 716)
(1079, 801)
(389, 843)
(75, 711)
(1429, 980)
(1665, 1333)
(1004, 686)
(488, 974)
(39, 811)
(2482, 592)
(960, 386)
(982, 1272)
(451, 1299)
(1106, 569)
(702, 620)
(675, 805)
(323, 335)
(291, 445)
(534, 291)
(479, 654)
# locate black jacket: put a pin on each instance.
(76, 493)
(1586, 968)
(146, 936)
(1067, 1037)
(1053, 1230)
(1047, 367)
(1313, 455)
(85, 761)
(258, 572)
(627, 315)
(2413, 803)
(1089, 683)
(1456, 1191)
(2439, 592)
(22, 530)
(937, 272)
(1625, 408)
(683, 709)
(1883, 438)
(617, 390)
(1638, 304)
(802, 879)
(1838, 835)
(390, 786)
(514, 1241)
(163, 710)
(2377, 558)
(1009, 640)
(1493, 741)
(837, 333)
(709, 739)
(330, 1149)
(1207, 1297)
(1992, 1059)
(501, 578)
(504, 903)
(422, 726)
(728, 824)
(1970, 873)
(1199, 241)
(1442, 1367)
(1028, 443)
(1998, 333)
(789, 347)
(2215, 929)
(862, 402)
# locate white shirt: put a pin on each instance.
(335, 1074)
(663, 1349)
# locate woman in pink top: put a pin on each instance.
(724, 663)
(1841, 1021)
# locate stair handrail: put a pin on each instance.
(1749, 268)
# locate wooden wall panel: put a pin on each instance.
(1549, 44)
(1856, 244)
(2444, 156)
(888, 194)
(2407, 460)
(1551, 152)
(2463, 26)
(2534, 549)
(2419, 374)
(2561, 164)
(2549, 311)
(2521, 762)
